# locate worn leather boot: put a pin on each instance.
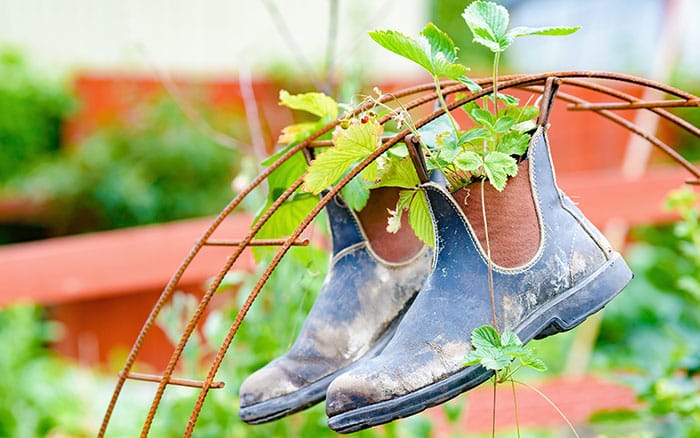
(551, 270)
(372, 279)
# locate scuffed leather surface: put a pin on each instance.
(432, 339)
(360, 298)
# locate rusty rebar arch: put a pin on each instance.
(574, 78)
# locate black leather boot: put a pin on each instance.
(372, 279)
(569, 273)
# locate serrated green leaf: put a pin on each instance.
(433, 50)
(485, 337)
(315, 103)
(403, 203)
(513, 143)
(469, 161)
(535, 363)
(284, 221)
(510, 339)
(497, 361)
(399, 173)
(420, 219)
(361, 136)
(522, 31)
(402, 45)
(350, 146)
(473, 135)
(498, 166)
(355, 193)
(482, 117)
(471, 85)
(440, 42)
(508, 99)
(503, 124)
(488, 22)
(298, 132)
(429, 133)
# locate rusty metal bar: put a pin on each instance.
(256, 242)
(254, 229)
(590, 106)
(171, 381)
(515, 81)
(450, 87)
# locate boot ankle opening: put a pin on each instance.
(511, 217)
(392, 247)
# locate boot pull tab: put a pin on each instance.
(416, 154)
(547, 100)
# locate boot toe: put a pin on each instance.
(267, 383)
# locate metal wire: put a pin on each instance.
(573, 78)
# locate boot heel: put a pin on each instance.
(586, 298)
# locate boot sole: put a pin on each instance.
(312, 394)
(559, 315)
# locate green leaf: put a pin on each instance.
(298, 132)
(471, 85)
(440, 42)
(533, 362)
(285, 220)
(399, 173)
(508, 99)
(433, 50)
(315, 103)
(488, 22)
(402, 45)
(510, 339)
(403, 203)
(356, 193)
(522, 31)
(469, 161)
(498, 166)
(484, 337)
(420, 219)
(430, 132)
(351, 145)
(513, 143)
(482, 117)
(503, 124)
(473, 135)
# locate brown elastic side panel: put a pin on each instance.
(513, 226)
(391, 247)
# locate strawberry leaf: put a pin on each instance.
(315, 103)
(498, 166)
(420, 219)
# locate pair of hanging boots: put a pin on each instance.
(388, 335)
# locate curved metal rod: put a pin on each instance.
(632, 127)
(450, 87)
(511, 82)
(172, 283)
(204, 301)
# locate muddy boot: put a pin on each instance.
(372, 279)
(551, 270)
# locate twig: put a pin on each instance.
(288, 38)
(551, 403)
(187, 109)
(515, 403)
(250, 105)
(331, 47)
(492, 292)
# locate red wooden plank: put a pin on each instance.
(113, 262)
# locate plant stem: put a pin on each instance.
(441, 98)
(496, 59)
(515, 403)
(551, 403)
(492, 292)
(493, 416)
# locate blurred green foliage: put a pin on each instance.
(38, 392)
(652, 329)
(32, 109)
(156, 169)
